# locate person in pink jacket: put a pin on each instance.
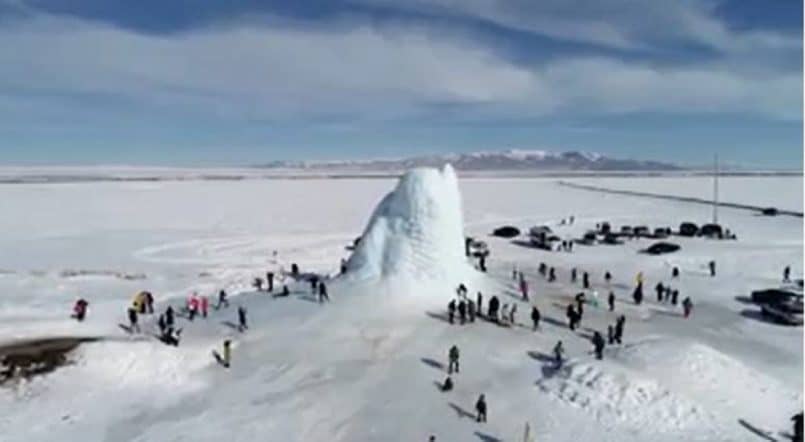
(193, 306)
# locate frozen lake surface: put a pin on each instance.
(363, 367)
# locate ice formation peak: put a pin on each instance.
(416, 232)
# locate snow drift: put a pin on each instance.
(415, 233)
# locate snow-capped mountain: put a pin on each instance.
(488, 161)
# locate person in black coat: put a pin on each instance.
(494, 306)
(571, 317)
(598, 344)
(480, 407)
(659, 288)
(270, 281)
(611, 301)
(585, 280)
(462, 312)
(638, 294)
(451, 310)
(242, 319)
(323, 293)
(535, 317)
(479, 304)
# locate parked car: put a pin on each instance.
(662, 232)
(712, 231)
(506, 232)
(661, 248)
(770, 211)
(688, 229)
(588, 239)
(605, 228)
(641, 231)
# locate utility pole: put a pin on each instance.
(715, 189)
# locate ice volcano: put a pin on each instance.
(416, 233)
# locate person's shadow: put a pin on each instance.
(487, 438)
(433, 363)
(461, 412)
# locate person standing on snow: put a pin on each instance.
(480, 407)
(462, 312)
(452, 357)
(222, 301)
(598, 344)
(787, 274)
(451, 310)
(205, 305)
(571, 317)
(535, 317)
(169, 317)
(659, 289)
(314, 281)
(133, 326)
(161, 324)
(552, 275)
(524, 289)
(270, 281)
(607, 277)
(687, 306)
(674, 297)
(323, 293)
(227, 353)
(192, 308)
(638, 294)
(573, 275)
(504, 313)
(585, 280)
(611, 300)
(242, 326)
(580, 299)
(542, 269)
(712, 266)
(558, 352)
(514, 273)
(619, 324)
(610, 335)
(675, 272)
(479, 304)
(149, 302)
(494, 305)
(511, 313)
(471, 310)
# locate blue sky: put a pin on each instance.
(210, 82)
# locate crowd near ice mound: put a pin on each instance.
(415, 233)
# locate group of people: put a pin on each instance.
(447, 385)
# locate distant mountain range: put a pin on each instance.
(512, 160)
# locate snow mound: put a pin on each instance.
(415, 233)
(623, 399)
(715, 380)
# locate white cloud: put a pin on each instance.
(622, 24)
(358, 72)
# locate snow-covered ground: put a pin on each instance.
(364, 366)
